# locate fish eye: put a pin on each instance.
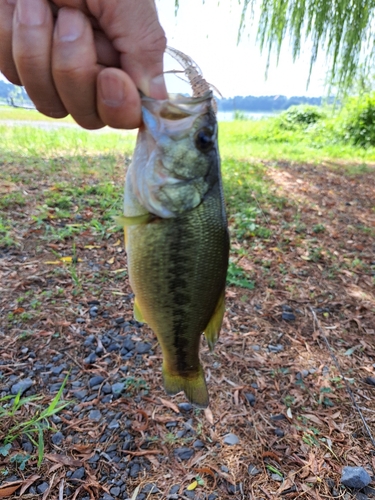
(204, 140)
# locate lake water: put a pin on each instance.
(228, 116)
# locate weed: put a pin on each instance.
(34, 428)
(236, 276)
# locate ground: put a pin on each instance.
(307, 266)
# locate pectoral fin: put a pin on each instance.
(212, 330)
(138, 316)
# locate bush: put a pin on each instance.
(303, 115)
(359, 120)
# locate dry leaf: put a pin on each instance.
(7, 489)
(28, 483)
(63, 459)
(170, 405)
(192, 486)
(209, 416)
(313, 418)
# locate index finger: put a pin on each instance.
(7, 65)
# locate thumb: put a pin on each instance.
(135, 32)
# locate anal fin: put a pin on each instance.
(212, 330)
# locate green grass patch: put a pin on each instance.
(21, 114)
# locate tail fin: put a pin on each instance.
(194, 387)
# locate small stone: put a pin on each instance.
(80, 394)
(369, 380)
(361, 496)
(41, 488)
(279, 432)
(80, 321)
(113, 425)
(91, 358)
(224, 468)
(119, 321)
(55, 387)
(129, 344)
(355, 477)
(142, 347)
(117, 388)
(106, 496)
(28, 447)
(250, 398)
(78, 474)
(97, 380)
(276, 477)
(95, 415)
(113, 347)
(175, 489)
(115, 491)
(286, 308)
(21, 386)
(189, 494)
(231, 439)
(280, 416)
(183, 453)
(170, 425)
(94, 310)
(276, 348)
(150, 488)
(134, 470)
(56, 370)
(252, 470)
(212, 496)
(185, 407)
(288, 316)
(198, 444)
(57, 438)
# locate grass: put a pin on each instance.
(11, 113)
(14, 425)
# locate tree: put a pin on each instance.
(344, 29)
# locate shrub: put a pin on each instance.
(303, 115)
(359, 120)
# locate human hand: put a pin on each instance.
(86, 58)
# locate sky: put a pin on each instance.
(207, 32)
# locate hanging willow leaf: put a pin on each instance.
(343, 29)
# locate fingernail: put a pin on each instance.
(157, 87)
(31, 12)
(70, 25)
(111, 91)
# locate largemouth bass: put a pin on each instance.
(176, 235)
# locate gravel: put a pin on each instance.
(21, 386)
(355, 477)
(183, 453)
(231, 439)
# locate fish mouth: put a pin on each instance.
(178, 106)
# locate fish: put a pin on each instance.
(176, 235)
